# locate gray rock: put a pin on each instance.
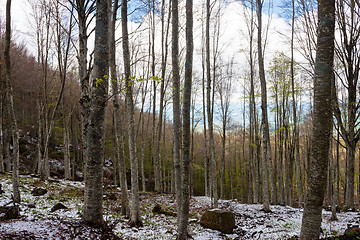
(58, 206)
(38, 191)
(12, 212)
(221, 220)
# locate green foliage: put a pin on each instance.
(99, 81)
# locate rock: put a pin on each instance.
(221, 220)
(162, 210)
(31, 205)
(110, 196)
(38, 191)
(1, 191)
(352, 232)
(12, 212)
(58, 206)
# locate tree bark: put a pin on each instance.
(93, 209)
(13, 121)
(311, 221)
(2, 167)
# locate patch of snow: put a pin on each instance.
(282, 222)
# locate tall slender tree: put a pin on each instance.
(176, 104)
(13, 120)
(266, 152)
(182, 228)
(85, 10)
(135, 200)
(209, 109)
(119, 134)
(311, 220)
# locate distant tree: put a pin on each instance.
(224, 91)
(311, 221)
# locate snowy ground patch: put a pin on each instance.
(38, 222)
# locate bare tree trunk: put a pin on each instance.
(296, 131)
(93, 196)
(84, 10)
(264, 124)
(332, 194)
(206, 152)
(67, 160)
(143, 167)
(13, 121)
(213, 168)
(2, 168)
(231, 173)
(338, 168)
(311, 221)
(116, 108)
(62, 57)
(176, 108)
(185, 185)
(135, 201)
(347, 52)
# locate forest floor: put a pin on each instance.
(37, 221)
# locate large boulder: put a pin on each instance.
(217, 219)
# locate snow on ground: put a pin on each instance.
(40, 223)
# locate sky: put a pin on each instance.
(233, 38)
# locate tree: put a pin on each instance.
(63, 47)
(119, 135)
(210, 109)
(93, 196)
(135, 208)
(296, 129)
(254, 190)
(176, 104)
(266, 151)
(348, 54)
(185, 176)
(224, 91)
(84, 9)
(322, 116)
(14, 128)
